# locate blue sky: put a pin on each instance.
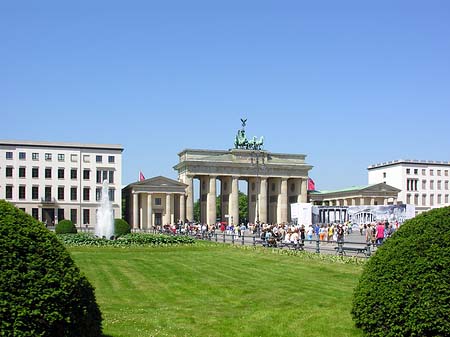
(348, 83)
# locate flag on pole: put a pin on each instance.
(141, 176)
(311, 185)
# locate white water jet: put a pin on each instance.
(105, 218)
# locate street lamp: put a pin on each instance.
(258, 159)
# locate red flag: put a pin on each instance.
(141, 176)
(311, 185)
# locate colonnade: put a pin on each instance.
(363, 217)
(268, 197)
(330, 215)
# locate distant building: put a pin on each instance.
(154, 202)
(423, 183)
(374, 194)
(53, 181)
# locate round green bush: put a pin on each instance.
(404, 289)
(65, 227)
(42, 292)
(121, 227)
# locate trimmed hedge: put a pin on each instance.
(42, 292)
(405, 287)
(121, 227)
(65, 227)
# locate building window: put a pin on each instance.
(105, 175)
(446, 199)
(86, 174)
(48, 156)
(48, 172)
(431, 172)
(111, 159)
(73, 216)
(446, 173)
(411, 184)
(35, 192)
(158, 201)
(416, 171)
(86, 158)
(408, 198)
(86, 192)
(61, 193)
(431, 199)
(48, 193)
(9, 171)
(446, 185)
(73, 158)
(99, 176)
(60, 173)
(439, 186)
(22, 156)
(98, 194)
(35, 156)
(35, 213)
(424, 172)
(86, 216)
(60, 156)
(8, 192)
(424, 199)
(408, 171)
(98, 159)
(73, 173)
(73, 193)
(9, 155)
(416, 199)
(35, 172)
(431, 184)
(22, 172)
(22, 192)
(384, 174)
(111, 177)
(111, 194)
(424, 184)
(438, 172)
(60, 214)
(439, 199)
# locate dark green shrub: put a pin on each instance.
(65, 227)
(121, 227)
(405, 287)
(42, 292)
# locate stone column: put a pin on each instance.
(372, 201)
(225, 187)
(149, 211)
(168, 210)
(182, 208)
(234, 200)
(282, 214)
(361, 201)
(135, 210)
(172, 208)
(304, 190)
(189, 198)
(262, 203)
(211, 202)
(385, 201)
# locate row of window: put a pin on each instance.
(101, 174)
(412, 184)
(61, 157)
(431, 172)
(60, 212)
(60, 193)
(431, 199)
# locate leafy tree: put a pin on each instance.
(405, 287)
(196, 211)
(243, 207)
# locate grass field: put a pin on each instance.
(218, 291)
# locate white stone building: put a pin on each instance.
(423, 183)
(54, 181)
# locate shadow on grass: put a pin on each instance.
(107, 336)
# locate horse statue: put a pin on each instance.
(240, 141)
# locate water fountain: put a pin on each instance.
(105, 218)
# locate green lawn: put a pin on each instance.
(218, 291)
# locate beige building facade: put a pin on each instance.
(274, 180)
(154, 202)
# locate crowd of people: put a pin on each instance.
(375, 233)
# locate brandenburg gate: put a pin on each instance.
(275, 180)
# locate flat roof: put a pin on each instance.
(32, 143)
(408, 161)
